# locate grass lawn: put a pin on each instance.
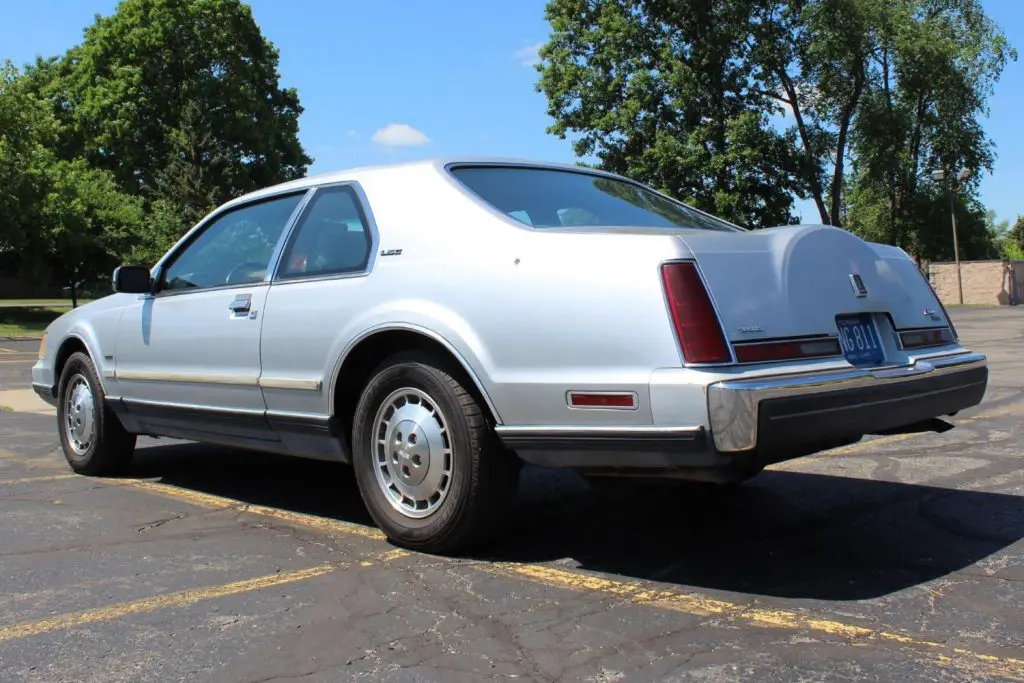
(28, 321)
(40, 302)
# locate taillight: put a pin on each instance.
(697, 328)
(764, 352)
(933, 336)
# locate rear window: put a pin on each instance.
(552, 198)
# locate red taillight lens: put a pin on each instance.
(936, 336)
(786, 350)
(697, 328)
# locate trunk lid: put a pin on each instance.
(792, 281)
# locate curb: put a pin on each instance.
(17, 339)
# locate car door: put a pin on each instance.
(188, 356)
(319, 288)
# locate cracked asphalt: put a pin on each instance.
(899, 558)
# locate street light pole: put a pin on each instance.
(956, 250)
(939, 175)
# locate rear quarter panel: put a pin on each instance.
(533, 313)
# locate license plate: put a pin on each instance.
(859, 339)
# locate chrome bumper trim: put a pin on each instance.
(733, 404)
(45, 392)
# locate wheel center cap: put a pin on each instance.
(411, 453)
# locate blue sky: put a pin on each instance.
(407, 79)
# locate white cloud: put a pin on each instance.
(527, 55)
(353, 132)
(400, 135)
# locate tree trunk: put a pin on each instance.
(794, 102)
(844, 129)
(74, 288)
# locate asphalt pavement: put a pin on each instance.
(898, 558)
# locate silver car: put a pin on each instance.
(436, 324)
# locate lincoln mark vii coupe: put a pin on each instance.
(436, 324)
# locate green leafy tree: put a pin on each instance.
(661, 91)
(87, 222)
(28, 133)
(684, 95)
(929, 80)
(180, 100)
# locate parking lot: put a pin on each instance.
(897, 559)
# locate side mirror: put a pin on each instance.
(132, 280)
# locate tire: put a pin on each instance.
(96, 443)
(438, 449)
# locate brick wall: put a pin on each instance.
(993, 283)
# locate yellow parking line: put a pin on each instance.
(636, 593)
(185, 597)
(26, 361)
(35, 480)
(207, 500)
(633, 591)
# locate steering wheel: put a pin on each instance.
(247, 266)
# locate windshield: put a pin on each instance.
(552, 198)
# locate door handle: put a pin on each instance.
(241, 303)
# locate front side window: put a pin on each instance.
(235, 249)
(553, 198)
(331, 237)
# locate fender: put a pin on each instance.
(463, 352)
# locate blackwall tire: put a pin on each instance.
(430, 469)
(92, 438)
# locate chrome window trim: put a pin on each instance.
(202, 226)
(363, 204)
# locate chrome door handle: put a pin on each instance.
(241, 303)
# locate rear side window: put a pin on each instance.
(332, 236)
(553, 198)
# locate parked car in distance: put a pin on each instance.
(436, 324)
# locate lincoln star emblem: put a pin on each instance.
(858, 286)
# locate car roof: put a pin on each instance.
(436, 163)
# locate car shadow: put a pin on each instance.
(783, 534)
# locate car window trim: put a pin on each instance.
(362, 205)
(467, 191)
(172, 256)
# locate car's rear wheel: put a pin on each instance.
(431, 472)
(93, 440)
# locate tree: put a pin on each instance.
(664, 92)
(682, 95)
(934, 68)
(86, 222)
(180, 100)
(27, 133)
(813, 57)
(1011, 239)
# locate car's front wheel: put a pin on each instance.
(430, 469)
(92, 438)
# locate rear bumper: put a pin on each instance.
(779, 412)
(755, 422)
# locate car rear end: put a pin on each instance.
(808, 337)
(787, 340)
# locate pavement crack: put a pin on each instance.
(161, 522)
